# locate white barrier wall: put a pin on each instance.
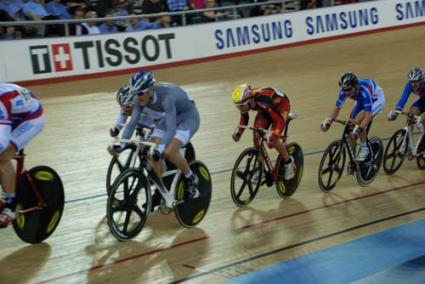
(27, 60)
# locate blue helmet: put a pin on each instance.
(141, 82)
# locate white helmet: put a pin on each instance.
(416, 74)
(125, 97)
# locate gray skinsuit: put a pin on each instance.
(181, 120)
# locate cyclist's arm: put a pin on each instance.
(404, 97)
(366, 99)
(244, 119)
(170, 121)
(131, 125)
(121, 120)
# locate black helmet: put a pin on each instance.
(348, 79)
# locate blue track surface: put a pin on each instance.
(394, 256)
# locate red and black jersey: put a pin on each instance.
(270, 103)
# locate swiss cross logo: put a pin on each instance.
(62, 57)
(44, 56)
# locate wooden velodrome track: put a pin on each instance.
(229, 241)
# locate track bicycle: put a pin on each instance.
(252, 163)
(127, 158)
(402, 143)
(130, 199)
(40, 201)
(333, 160)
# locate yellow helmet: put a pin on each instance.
(240, 94)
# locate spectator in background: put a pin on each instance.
(141, 24)
(34, 10)
(91, 25)
(177, 6)
(10, 33)
(311, 4)
(153, 7)
(108, 26)
(13, 8)
(78, 28)
(196, 4)
(57, 8)
(76, 4)
(212, 16)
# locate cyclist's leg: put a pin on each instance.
(262, 123)
(187, 126)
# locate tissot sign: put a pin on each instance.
(95, 54)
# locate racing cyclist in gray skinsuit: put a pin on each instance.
(180, 123)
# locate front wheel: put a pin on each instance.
(129, 204)
(190, 211)
(285, 188)
(395, 152)
(126, 159)
(420, 152)
(332, 165)
(36, 226)
(246, 177)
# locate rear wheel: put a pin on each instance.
(246, 177)
(285, 188)
(332, 165)
(36, 226)
(190, 211)
(369, 168)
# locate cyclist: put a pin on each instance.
(149, 118)
(272, 107)
(370, 101)
(416, 86)
(181, 121)
(21, 119)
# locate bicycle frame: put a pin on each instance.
(21, 171)
(345, 137)
(409, 138)
(265, 157)
(145, 148)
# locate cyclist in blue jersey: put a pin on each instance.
(370, 101)
(416, 86)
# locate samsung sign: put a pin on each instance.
(409, 10)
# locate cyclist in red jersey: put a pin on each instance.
(272, 108)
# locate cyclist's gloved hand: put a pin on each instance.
(356, 132)
(114, 132)
(114, 149)
(392, 115)
(158, 152)
(236, 136)
(326, 124)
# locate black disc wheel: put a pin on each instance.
(37, 225)
(286, 188)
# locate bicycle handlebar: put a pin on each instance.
(149, 145)
(408, 114)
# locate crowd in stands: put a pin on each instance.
(87, 10)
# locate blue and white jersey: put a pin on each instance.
(408, 89)
(369, 92)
